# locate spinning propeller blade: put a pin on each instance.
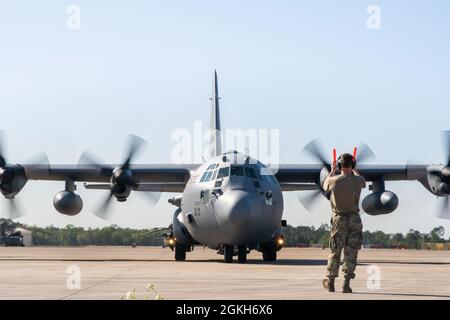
(444, 210)
(310, 199)
(8, 177)
(121, 179)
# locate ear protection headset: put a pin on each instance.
(340, 160)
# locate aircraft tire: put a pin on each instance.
(242, 254)
(180, 253)
(270, 255)
(228, 252)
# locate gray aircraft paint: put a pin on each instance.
(238, 212)
(216, 134)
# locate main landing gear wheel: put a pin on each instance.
(242, 254)
(228, 252)
(180, 252)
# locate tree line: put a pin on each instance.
(303, 236)
(310, 236)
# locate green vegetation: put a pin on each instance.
(306, 236)
(76, 236)
(294, 236)
(309, 236)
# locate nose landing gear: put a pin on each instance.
(269, 254)
(230, 251)
(242, 254)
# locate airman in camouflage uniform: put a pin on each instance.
(346, 226)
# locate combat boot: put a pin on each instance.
(328, 284)
(346, 288)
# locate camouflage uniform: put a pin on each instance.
(346, 225)
(346, 234)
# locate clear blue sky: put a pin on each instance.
(309, 68)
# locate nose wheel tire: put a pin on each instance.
(228, 252)
(242, 254)
(180, 252)
(270, 255)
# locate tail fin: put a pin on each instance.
(215, 119)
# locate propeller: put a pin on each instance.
(437, 177)
(152, 198)
(13, 179)
(443, 173)
(446, 140)
(122, 181)
(103, 208)
(315, 149)
(135, 145)
(309, 199)
(444, 176)
(14, 209)
(364, 154)
(444, 209)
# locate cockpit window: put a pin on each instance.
(212, 166)
(267, 175)
(250, 172)
(224, 172)
(204, 177)
(212, 171)
(237, 171)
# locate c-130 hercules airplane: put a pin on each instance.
(232, 203)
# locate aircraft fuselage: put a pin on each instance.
(233, 202)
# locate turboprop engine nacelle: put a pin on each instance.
(438, 180)
(12, 180)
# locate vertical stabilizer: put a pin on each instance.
(215, 119)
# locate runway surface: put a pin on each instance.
(111, 272)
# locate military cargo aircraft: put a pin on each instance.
(231, 203)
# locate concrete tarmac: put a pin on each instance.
(111, 272)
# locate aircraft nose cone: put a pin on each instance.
(235, 209)
(240, 208)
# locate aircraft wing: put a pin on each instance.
(173, 178)
(380, 201)
(159, 175)
(175, 187)
(302, 175)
